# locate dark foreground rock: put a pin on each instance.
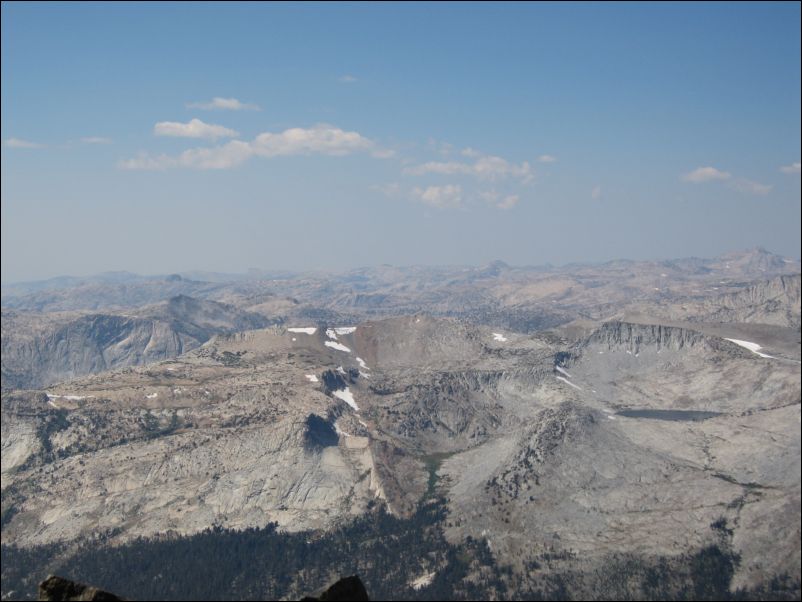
(347, 588)
(57, 588)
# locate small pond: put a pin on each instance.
(675, 415)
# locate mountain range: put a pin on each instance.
(561, 421)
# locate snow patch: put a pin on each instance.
(422, 581)
(341, 370)
(70, 397)
(311, 378)
(568, 382)
(345, 329)
(341, 432)
(362, 363)
(152, 395)
(753, 347)
(331, 334)
(499, 337)
(347, 397)
(562, 371)
(306, 330)
(337, 346)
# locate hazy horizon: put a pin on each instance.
(278, 269)
(317, 137)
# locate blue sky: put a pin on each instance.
(346, 135)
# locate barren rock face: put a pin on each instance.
(42, 349)
(153, 451)
(775, 301)
(639, 435)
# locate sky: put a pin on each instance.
(159, 138)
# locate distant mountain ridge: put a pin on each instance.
(112, 289)
(39, 350)
(774, 301)
(83, 326)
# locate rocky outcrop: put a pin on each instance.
(39, 350)
(58, 589)
(634, 336)
(775, 301)
(348, 588)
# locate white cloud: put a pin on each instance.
(794, 168)
(96, 140)
(439, 167)
(223, 104)
(441, 148)
(508, 202)
(320, 139)
(19, 143)
(442, 197)
(485, 168)
(194, 129)
(750, 187)
(491, 197)
(595, 194)
(547, 158)
(226, 156)
(145, 161)
(491, 168)
(706, 174)
(347, 79)
(709, 174)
